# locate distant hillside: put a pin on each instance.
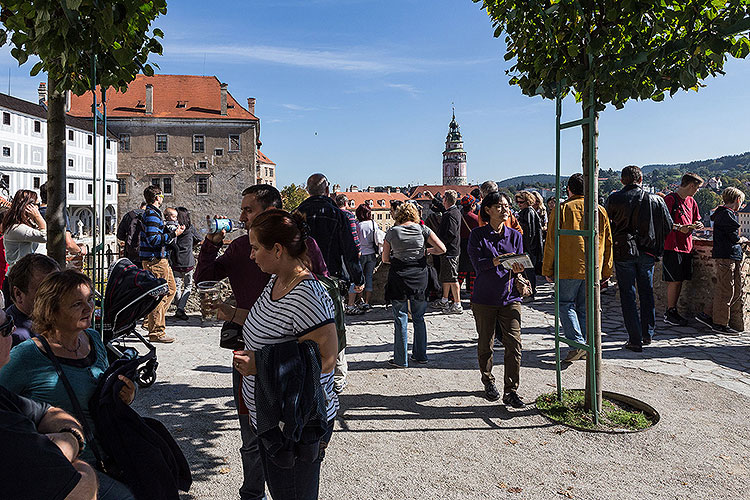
(734, 162)
(528, 180)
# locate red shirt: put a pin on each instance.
(683, 211)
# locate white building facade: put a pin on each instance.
(23, 161)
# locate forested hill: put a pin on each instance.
(739, 162)
(528, 180)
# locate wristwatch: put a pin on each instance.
(79, 437)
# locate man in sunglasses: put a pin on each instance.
(42, 435)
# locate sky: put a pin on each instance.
(363, 90)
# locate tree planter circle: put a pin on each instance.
(613, 400)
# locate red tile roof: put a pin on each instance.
(359, 197)
(418, 195)
(201, 95)
(264, 159)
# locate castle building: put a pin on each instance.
(454, 157)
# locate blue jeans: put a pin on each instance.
(400, 333)
(253, 483)
(368, 267)
(573, 309)
(638, 272)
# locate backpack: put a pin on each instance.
(332, 286)
(129, 231)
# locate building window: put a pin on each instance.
(234, 142)
(219, 152)
(122, 186)
(109, 189)
(90, 139)
(156, 181)
(71, 188)
(124, 142)
(5, 183)
(70, 135)
(161, 143)
(201, 184)
(109, 144)
(37, 182)
(70, 162)
(90, 188)
(380, 216)
(199, 144)
(202, 164)
(37, 126)
(6, 118)
(270, 171)
(6, 151)
(167, 185)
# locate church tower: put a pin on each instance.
(454, 157)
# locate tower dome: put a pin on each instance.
(454, 156)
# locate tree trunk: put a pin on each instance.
(594, 325)
(56, 173)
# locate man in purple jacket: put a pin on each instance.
(247, 281)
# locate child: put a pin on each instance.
(727, 254)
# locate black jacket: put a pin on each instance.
(129, 231)
(290, 403)
(532, 234)
(449, 231)
(726, 234)
(640, 223)
(330, 227)
(152, 464)
(181, 249)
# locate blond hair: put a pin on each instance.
(527, 196)
(451, 197)
(407, 212)
(51, 291)
(732, 194)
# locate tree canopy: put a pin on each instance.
(292, 195)
(623, 49)
(66, 34)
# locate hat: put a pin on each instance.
(468, 201)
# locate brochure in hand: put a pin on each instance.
(507, 261)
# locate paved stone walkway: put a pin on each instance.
(426, 431)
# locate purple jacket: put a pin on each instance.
(493, 285)
(245, 277)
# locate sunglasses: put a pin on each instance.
(8, 327)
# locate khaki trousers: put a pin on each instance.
(508, 318)
(727, 291)
(156, 320)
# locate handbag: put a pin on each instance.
(523, 285)
(231, 337)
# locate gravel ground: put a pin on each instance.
(426, 432)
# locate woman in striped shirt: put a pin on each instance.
(294, 306)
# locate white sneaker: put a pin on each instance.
(454, 308)
(441, 303)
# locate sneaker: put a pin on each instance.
(180, 314)
(646, 341)
(490, 392)
(353, 310)
(513, 399)
(441, 303)
(672, 317)
(632, 347)
(575, 355)
(160, 339)
(365, 306)
(392, 362)
(419, 361)
(454, 308)
(704, 318)
(724, 330)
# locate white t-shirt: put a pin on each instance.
(303, 309)
(366, 230)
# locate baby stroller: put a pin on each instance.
(131, 294)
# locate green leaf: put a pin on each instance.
(36, 69)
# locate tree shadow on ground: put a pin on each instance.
(359, 410)
(196, 417)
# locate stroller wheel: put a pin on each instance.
(145, 376)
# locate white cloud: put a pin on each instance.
(409, 89)
(296, 107)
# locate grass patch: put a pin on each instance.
(615, 415)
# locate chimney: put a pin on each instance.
(149, 99)
(42, 93)
(68, 100)
(223, 88)
(251, 105)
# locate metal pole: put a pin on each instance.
(104, 201)
(558, 112)
(94, 273)
(592, 257)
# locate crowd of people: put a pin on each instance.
(295, 275)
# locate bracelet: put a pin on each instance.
(79, 437)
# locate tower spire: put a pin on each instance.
(454, 156)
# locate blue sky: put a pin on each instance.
(362, 90)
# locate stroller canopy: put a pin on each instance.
(130, 295)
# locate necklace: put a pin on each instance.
(74, 351)
(289, 283)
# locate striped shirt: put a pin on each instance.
(303, 309)
(153, 236)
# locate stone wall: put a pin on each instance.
(697, 292)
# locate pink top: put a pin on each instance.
(683, 211)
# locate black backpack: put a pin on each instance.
(129, 231)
